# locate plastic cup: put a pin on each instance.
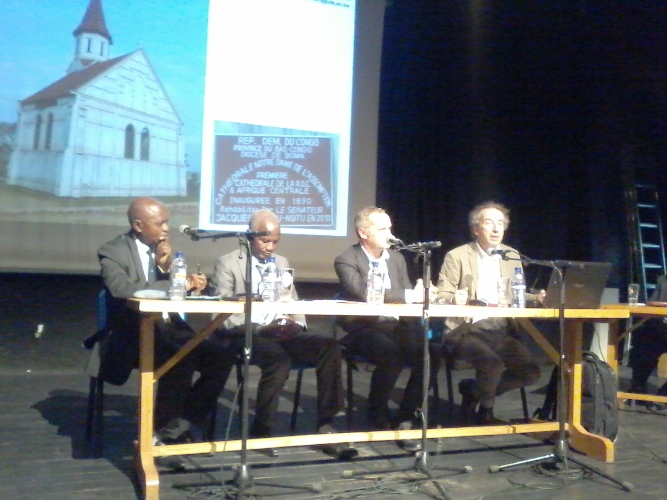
(286, 284)
(633, 294)
(503, 292)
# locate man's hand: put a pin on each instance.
(281, 329)
(163, 253)
(196, 282)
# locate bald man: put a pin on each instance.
(140, 259)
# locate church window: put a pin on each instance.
(129, 141)
(145, 145)
(38, 131)
(102, 49)
(90, 44)
(49, 131)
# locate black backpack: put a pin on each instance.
(599, 413)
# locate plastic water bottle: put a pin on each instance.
(179, 273)
(269, 286)
(518, 288)
(375, 285)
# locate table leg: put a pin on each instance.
(592, 445)
(146, 470)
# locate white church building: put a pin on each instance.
(106, 129)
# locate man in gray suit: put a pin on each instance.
(279, 340)
(139, 261)
(492, 346)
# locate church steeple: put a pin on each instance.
(92, 38)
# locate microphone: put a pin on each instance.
(395, 242)
(188, 231)
(502, 253)
(425, 245)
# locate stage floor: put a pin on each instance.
(44, 455)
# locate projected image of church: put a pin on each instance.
(105, 129)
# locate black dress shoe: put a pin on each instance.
(269, 452)
(469, 400)
(485, 416)
(173, 462)
(340, 451)
(409, 445)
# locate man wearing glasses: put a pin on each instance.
(471, 273)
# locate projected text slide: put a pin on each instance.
(291, 175)
(277, 114)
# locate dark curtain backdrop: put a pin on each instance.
(533, 104)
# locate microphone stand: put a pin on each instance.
(421, 457)
(558, 459)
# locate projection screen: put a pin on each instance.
(215, 108)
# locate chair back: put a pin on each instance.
(92, 343)
(102, 309)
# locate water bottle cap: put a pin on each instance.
(271, 259)
(180, 255)
(375, 264)
(517, 270)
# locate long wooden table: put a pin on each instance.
(643, 312)
(595, 446)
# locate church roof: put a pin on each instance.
(71, 82)
(93, 21)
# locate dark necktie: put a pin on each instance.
(151, 267)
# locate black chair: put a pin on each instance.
(353, 360)
(442, 353)
(299, 368)
(95, 409)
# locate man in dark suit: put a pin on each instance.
(279, 340)
(140, 260)
(389, 343)
(649, 342)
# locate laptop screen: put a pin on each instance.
(584, 284)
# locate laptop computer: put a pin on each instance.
(584, 284)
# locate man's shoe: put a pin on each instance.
(485, 416)
(269, 452)
(409, 445)
(184, 438)
(469, 401)
(173, 462)
(340, 451)
(655, 407)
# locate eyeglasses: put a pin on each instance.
(488, 223)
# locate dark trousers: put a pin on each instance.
(276, 358)
(391, 346)
(501, 361)
(178, 398)
(649, 342)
